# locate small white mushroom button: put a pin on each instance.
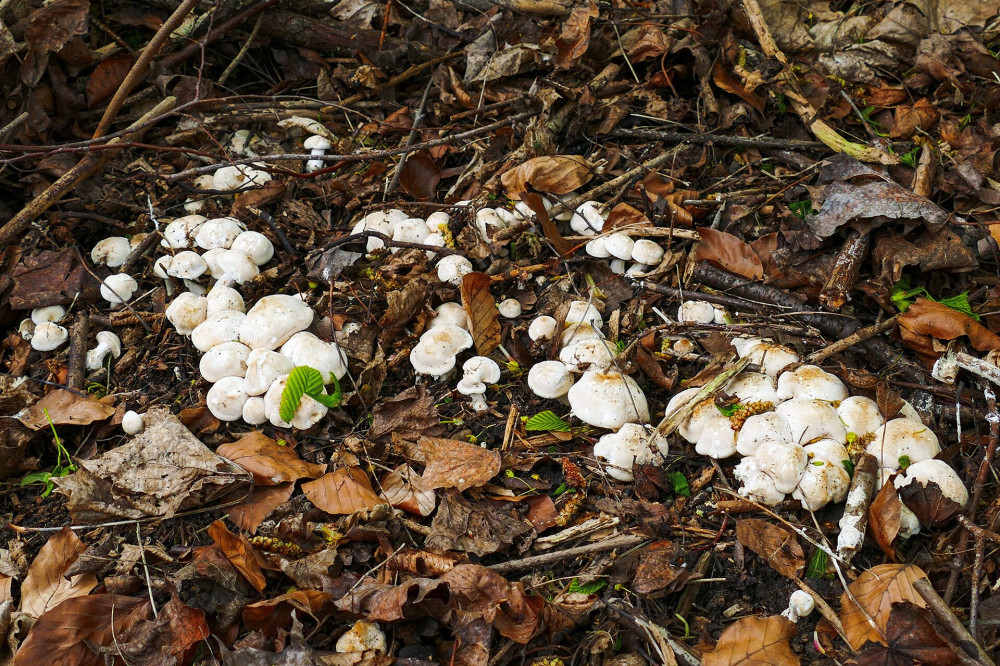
(48, 336)
(119, 288)
(107, 343)
(111, 252)
(549, 379)
(542, 328)
(132, 423)
(453, 268)
(645, 251)
(619, 246)
(510, 308)
(228, 359)
(226, 398)
(256, 245)
(51, 313)
(608, 400)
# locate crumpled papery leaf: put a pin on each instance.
(405, 489)
(846, 202)
(250, 514)
(46, 586)
(481, 529)
(380, 602)
(884, 518)
(928, 503)
(409, 415)
(239, 552)
(928, 318)
(876, 590)
(728, 252)
(908, 119)
(479, 591)
(452, 463)
(167, 640)
(777, 545)
(164, 470)
(575, 37)
(552, 174)
(61, 635)
(67, 408)
(342, 492)
(271, 614)
(482, 310)
(755, 640)
(47, 30)
(911, 636)
(645, 41)
(270, 463)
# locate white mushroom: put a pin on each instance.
(785, 463)
(118, 288)
(618, 266)
(645, 251)
(825, 480)
(238, 177)
(223, 327)
(549, 379)
(187, 265)
(435, 352)
(812, 419)
(619, 245)
(263, 368)
(542, 328)
(254, 411)
(690, 429)
(211, 258)
(510, 308)
(578, 333)
(772, 358)
(637, 269)
(180, 232)
(478, 371)
(48, 336)
(218, 233)
(236, 266)
(717, 438)
(451, 313)
(377, 221)
(437, 240)
(111, 252)
(582, 312)
(753, 387)
(304, 348)
(255, 245)
(588, 219)
(107, 343)
(700, 312)
(608, 400)
(487, 219)
(597, 248)
(437, 222)
(756, 485)
(132, 423)
(930, 471)
(810, 381)
(186, 312)
(362, 637)
(410, 230)
(767, 429)
(903, 437)
(588, 354)
(228, 359)
(51, 313)
(273, 320)
(800, 604)
(26, 329)
(453, 268)
(632, 445)
(316, 145)
(860, 415)
(308, 414)
(226, 397)
(223, 299)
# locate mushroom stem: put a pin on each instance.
(946, 368)
(859, 498)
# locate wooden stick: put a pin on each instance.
(77, 363)
(851, 340)
(943, 613)
(845, 271)
(620, 541)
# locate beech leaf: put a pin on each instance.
(46, 586)
(754, 641)
(452, 463)
(552, 174)
(729, 253)
(875, 591)
(777, 545)
(270, 463)
(937, 320)
(884, 518)
(239, 552)
(342, 492)
(482, 310)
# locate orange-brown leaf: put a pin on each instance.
(67, 408)
(624, 215)
(884, 518)
(875, 591)
(755, 641)
(106, 78)
(909, 119)
(723, 77)
(575, 37)
(270, 463)
(342, 492)
(249, 514)
(728, 252)
(404, 489)
(926, 317)
(452, 463)
(239, 552)
(552, 174)
(482, 310)
(420, 176)
(775, 544)
(271, 614)
(549, 228)
(45, 586)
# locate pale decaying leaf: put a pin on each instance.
(875, 591)
(342, 492)
(404, 489)
(452, 463)
(67, 408)
(164, 470)
(45, 586)
(755, 641)
(775, 544)
(552, 174)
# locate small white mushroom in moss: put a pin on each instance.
(186, 312)
(49, 313)
(645, 251)
(179, 234)
(582, 312)
(608, 400)
(263, 368)
(930, 471)
(48, 336)
(254, 244)
(226, 360)
(133, 423)
(632, 445)
(187, 265)
(118, 288)
(226, 397)
(223, 327)
(903, 437)
(310, 411)
(597, 248)
(254, 411)
(435, 352)
(111, 252)
(810, 381)
(107, 343)
(453, 268)
(304, 348)
(542, 328)
(860, 415)
(218, 233)
(477, 373)
(510, 308)
(273, 320)
(224, 299)
(699, 312)
(362, 637)
(756, 485)
(800, 605)
(717, 439)
(812, 419)
(759, 430)
(549, 379)
(451, 313)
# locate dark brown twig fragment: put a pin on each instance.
(845, 272)
(77, 363)
(945, 615)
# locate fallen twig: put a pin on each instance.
(620, 541)
(945, 615)
(845, 271)
(855, 338)
(704, 138)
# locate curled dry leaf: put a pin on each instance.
(552, 174)
(270, 463)
(404, 489)
(884, 518)
(911, 636)
(655, 571)
(724, 78)
(909, 119)
(420, 176)
(342, 492)
(239, 552)
(728, 252)
(67, 408)
(549, 228)
(875, 591)
(452, 463)
(931, 507)
(879, 199)
(926, 317)
(482, 310)
(408, 415)
(575, 37)
(250, 514)
(46, 586)
(272, 614)
(775, 544)
(755, 641)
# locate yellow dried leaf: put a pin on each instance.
(755, 641)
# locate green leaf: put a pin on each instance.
(729, 410)
(961, 304)
(817, 565)
(547, 420)
(587, 588)
(849, 467)
(304, 380)
(681, 486)
(904, 462)
(37, 477)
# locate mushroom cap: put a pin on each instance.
(132, 423)
(26, 328)
(764, 429)
(608, 400)
(304, 348)
(211, 258)
(810, 381)
(597, 248)
(588, 354)
(162, 265)
(410, 230)
(619, 245)
(226, 360)
(186, 312)
(435, 352)
(453, 268)
(822, 482)
(273, 320)
(800, 604)
(437, 221)
(903, 437)
(940, 472)
(435, 239)
(510, 308)
(756, 485)
(909, 524)
(256, 245)
(451, 313)
(48, 336)
(107, 343)
(701, 312)
(118, 288)
(812, 419)
(223, 327)
(224, 298)
(239, 177)
(482, 368)
(364, 636)
(827, 450)
(582, 312)
(785, 463)
(542, 328)
(772, 358)
(753, 387)
(690, 428)
(180, 232)
(187, 265)
(51, 313)
(111, 252)
(588, 219)
(263, 367)
(860, 415)
(226, 397)
(632, 445)
(218, 233)
(237, 265)
(254, 411)
(578, 333)
(549, 379)
(317, 142)
(486, 219)
(717, 439)
(645, 251)
(308, 414)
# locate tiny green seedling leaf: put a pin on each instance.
(904, 462)
(729, 410)
(848, 467)
(817, 565)
(587, 588)
(681, 486)
(547, 420)
(903, 296)
(304, 380)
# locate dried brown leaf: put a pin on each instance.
(199, 420)
(884, 518)
(45, 586)
(624, 215)
(452, 463)
(926, 317)
(846, 202)
(931, 507)
(755, 641)
(656, 571)
(875, 591)
(67, 408)
(405, 489)
(575, 37)
(47, 30)
(644, 42)
(250, 514)
(909, 119)
(723, 77)
(552, 174)
(239, 552)
(106, 78)
(911, 636)
(167, 640)
(775, 544)
(728, 252)
(342, 492)
(272, 614)
(50, 278)
(482, 310)
(420, 176)
(409, 415)
(549, 228)
(270, 463)
(482, 528)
